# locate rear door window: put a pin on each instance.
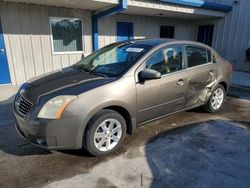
(197, 56)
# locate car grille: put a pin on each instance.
(22, 105)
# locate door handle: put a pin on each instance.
(211, 72)
(180, 82)
(1, 50)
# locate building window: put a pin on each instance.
(167, 32)
(66, 34)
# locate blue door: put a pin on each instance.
(125, 31)
(4, 68)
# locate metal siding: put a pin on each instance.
(27, 37)
(35, 31)
(46, 39)
(232, 34)
(144, 26)
(16, 58)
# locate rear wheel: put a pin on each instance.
(216, 99)
(106, 132)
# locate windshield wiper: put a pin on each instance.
(83, 68)
(87, 70)
(99, 74)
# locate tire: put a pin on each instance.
(211, 104)
(105, 133)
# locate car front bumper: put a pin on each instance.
(59, 134)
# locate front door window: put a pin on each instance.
(166, 60)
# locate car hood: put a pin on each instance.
(68, 81)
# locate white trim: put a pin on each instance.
(67, 53)
(51, 37)
(9, 84)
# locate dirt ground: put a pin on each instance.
(189, 149)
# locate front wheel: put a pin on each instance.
(106, 132)
(216, 99)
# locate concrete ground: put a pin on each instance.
(189, 149)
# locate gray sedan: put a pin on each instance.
(96, 102)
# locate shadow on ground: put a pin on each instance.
(215, 153)
(6, 115)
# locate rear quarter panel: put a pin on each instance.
(224, 70)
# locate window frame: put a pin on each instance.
(51, 37)
(197, 46)
(167, 46)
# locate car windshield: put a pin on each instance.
(113, 60)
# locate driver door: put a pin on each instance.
(159, 97)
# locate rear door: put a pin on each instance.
(201, 74)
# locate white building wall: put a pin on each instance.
(27, 38)
(28, 42)
(231, 34)
(144, 27)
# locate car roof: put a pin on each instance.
(159, 41)
(149, 42)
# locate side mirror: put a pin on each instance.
(149, 74)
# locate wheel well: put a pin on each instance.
(125, 115)
(224, 84)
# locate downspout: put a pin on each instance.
(123, 5)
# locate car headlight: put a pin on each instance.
(54, 108)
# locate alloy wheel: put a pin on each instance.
(217, 98)
(108, 135)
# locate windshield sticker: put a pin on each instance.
(137, 50)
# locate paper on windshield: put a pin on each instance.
(137, 50)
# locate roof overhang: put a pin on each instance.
(201, 4)
(182, 9)
(173, 12)
(77, 4)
